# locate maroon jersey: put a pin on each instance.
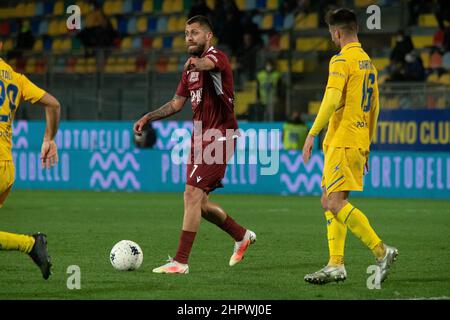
(211, 93)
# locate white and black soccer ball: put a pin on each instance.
(126, 255)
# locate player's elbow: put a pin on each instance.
(55, 105)
(50, 102)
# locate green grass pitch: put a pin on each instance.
(82, 227)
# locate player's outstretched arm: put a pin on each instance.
(170, 108)
(49, 151)
(199, 64)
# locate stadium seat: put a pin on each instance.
(167, 42)
(5, 29)
(137, 5)
(428, 20)
(250, 4)
(40, 66)
(126, 43)
(69, 66)
(313, 43)
(445, 79)
(38, 45)
(131, 25)
(172, 65)
(306, 21)
(272, 4)
(137, 43)
(62, 27)
(380, 63)
(30, 67)
(147, 6)
(48, 7)
(313, 107)
(278, 21)
(274, 42)
(446, 60)
(179, 43)
(118, 6)
(147, 42)
(114, 23)
(187, 5)
(141, 25)
(30, 9)
(167, 6)
(39, 9)
(76, 43)
(91, 65)
(172, 24)
(260, 4)
(240, 4)
(422, 41)
(13, 27)
(80, 66)
(289, 21)
(58, 9)
(161, 64)
(56, 45)
(178, 6)
(53, 27)
(283, 65)
(66, 44)
(152, 24)
(127, 6)
(210, 3)
(161, 25)
(433, 78)
(8, 45)
(181, 23)
(20, 10)
(157, 5)
(257, 19)
(123, 25)
(267, 22)
(284, 42)
(298, 66)
(34, 26)
(6, 12)
(43, 27)
(108, 7)
(157, 43)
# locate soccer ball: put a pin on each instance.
(126, 255)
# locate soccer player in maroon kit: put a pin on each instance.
(208, 80)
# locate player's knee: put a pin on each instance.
(192, 195)
(334, 205)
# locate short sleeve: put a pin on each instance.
(218, 59)
(182, 89)
(338, 74)
(30, 91)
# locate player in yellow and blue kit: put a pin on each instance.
(351, 107)
(15, 87)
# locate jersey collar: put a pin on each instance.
(350, 45)
(206, 52)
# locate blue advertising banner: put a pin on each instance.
(101, 156)
(413, 130)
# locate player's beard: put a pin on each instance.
(198, 51)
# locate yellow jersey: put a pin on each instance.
(14, 87)
(354, 120)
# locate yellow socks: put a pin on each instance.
(336, 233)
(358, 223)
(12, 241)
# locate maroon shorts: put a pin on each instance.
(206, 172)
